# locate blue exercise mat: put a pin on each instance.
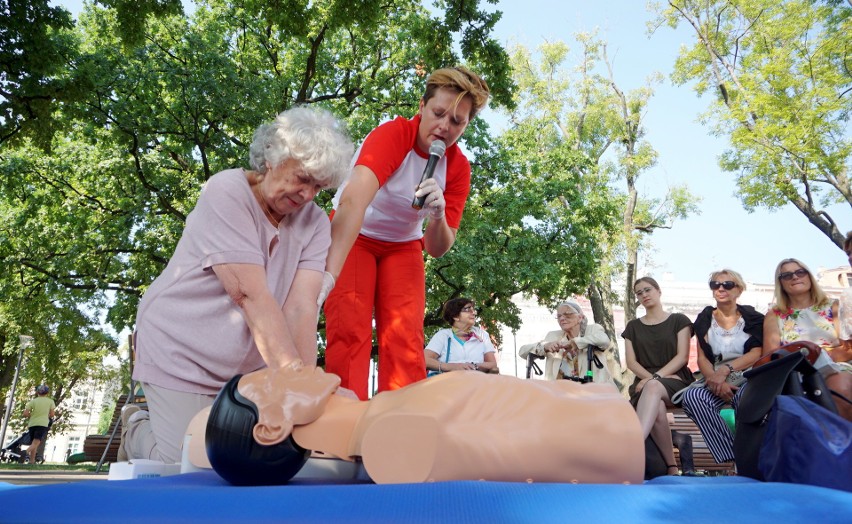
(204, 497)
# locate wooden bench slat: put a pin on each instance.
(94, 445)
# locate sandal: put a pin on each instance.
(669, 467)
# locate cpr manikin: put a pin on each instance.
(455, 426)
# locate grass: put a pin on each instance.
(52, 467)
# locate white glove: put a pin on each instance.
(434, 201)
(327, 286)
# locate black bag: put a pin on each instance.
(789, 374)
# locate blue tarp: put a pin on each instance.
(205, 497)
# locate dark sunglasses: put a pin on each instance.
(728, 285)
(788, 275)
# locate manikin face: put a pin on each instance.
(440, 120)
(287, 188)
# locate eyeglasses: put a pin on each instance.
(644, 291)
(728, 285)
(788, 275)
(469, 309)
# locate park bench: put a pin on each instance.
(94, 445)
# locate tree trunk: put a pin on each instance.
(629, 300)
(600, 295)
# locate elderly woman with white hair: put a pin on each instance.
(565, 348)
(240, 292)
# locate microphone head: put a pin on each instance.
(438, 148)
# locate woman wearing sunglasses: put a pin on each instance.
(657, 348)
(464, 346)
(802, 311)
(731, 340)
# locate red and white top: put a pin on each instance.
(391, 152)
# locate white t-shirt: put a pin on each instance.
(473, 350)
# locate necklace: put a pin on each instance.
(724, 321)
(264, 206)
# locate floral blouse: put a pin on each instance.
(815, 324)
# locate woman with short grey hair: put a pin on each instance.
(565, 348)
(312, 137)
(240, 292)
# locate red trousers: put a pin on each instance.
(390, 278)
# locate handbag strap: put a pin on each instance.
(764, 384)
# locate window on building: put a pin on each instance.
(74, 444)
(81, 402)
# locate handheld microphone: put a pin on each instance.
(436, 151)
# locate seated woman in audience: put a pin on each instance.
(802, 311)
(464, 345)
(731, 340)
(844, 356)
(565, 348)
(657, 348)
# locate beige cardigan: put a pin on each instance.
(594, 335)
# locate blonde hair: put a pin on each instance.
(311, 136)
(463, 81)
(735, 277)
(782, 299)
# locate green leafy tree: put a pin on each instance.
(531, 226)
(600, 120)
(634, 156)
(553, 143)
(93, 208)
(781, 72)
(66, 352)
(35, 46)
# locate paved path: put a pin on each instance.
(37, 477)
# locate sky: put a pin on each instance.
(723, 234)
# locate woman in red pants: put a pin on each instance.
(376, 255)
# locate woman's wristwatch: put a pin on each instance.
(655, 376)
